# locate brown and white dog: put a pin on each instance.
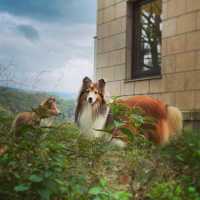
(46, 109)
(92, 112)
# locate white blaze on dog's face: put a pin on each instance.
(95, 92)
(92, 94)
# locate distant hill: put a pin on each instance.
(64, 95)
(16, 100)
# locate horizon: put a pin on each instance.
(61, 94)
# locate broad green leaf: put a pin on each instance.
(95, 190)
(191, 189)
(22, 188)
(35, 178)
(121, 195)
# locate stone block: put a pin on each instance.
(164, 47)
(142, 87)
(98, 74)
(120, 9)
(119, 72)
(100, 16)
(100, 4)
(122, 56)
(115, 58)
(190, 80)
(109, 14)
(108, 73)
(164, 10)
(156, 86)
(114, 88)
(176, 44)
(193, 41)
(107, 44)
(197, 99)
(119, 41)
(116, 26)
(193, 5)
(185, 61)
(198, 60)
(176, 7)
(198, 20)
(127, 88)
(124, 23)
(168, 64)
(185, 100)
(169, 28)
(99, 46)
(108, 3)
(174, 82)
(102, 60)
(186, 23)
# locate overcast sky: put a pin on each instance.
(46, 44)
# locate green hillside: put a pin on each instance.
(15, 100)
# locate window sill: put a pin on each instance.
(143, 78)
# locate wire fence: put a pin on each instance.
(34, 82)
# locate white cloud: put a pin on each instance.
(63, 51)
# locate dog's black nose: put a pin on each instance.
(90, 99)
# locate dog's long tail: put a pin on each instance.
(175, 120)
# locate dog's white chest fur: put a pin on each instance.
(88, 125)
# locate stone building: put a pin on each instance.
(151, 47)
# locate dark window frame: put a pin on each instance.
(137, 72)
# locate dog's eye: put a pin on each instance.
(96, 92)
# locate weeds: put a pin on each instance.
(59, 164)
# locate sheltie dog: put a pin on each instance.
(92, 112)
(46, 109)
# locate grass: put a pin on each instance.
(60, 164)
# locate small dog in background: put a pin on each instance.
(46, 109)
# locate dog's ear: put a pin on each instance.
(86, 82)
(101, 85)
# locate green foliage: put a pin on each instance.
(187, 150)
(166, 191)
(134, 117)
(48, 163)
(104, 192)
(59, 163)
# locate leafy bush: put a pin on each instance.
(166, 191)
(59, 164)
(48, 163)
(104, 192)
(134, 117)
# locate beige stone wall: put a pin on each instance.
(180, 82)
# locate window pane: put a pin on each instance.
(148, 33)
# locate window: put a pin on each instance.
(146, 49)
